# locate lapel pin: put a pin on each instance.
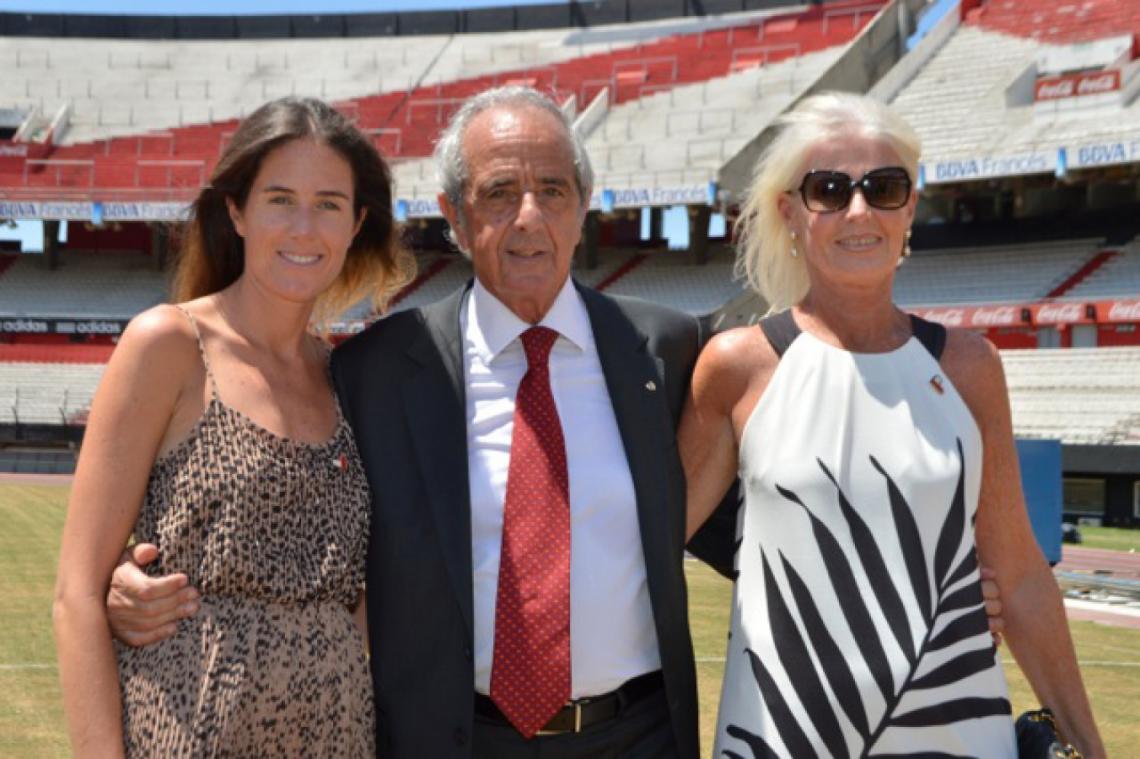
(651, 385)
(936, 383)
(341, 462)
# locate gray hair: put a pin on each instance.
(451, 168)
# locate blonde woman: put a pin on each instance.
(876, 459)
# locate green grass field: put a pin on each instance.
(31, 715)
(1112, 538)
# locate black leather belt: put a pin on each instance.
(579, 714)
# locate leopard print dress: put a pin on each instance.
(273, 532)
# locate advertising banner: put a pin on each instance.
(1104, 153)
(53, 325)
(973, 317)
(1076, 85)
(986, 167)
(1060, 313)
(1037, 314)
(96, 212)
(1124, 310)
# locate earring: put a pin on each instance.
(906, 245)
(795, 252)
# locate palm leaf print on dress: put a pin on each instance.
(932, 594)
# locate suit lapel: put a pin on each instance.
(435, 405)
(636, 391)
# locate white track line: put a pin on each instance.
(1115, 610)
(20, 667)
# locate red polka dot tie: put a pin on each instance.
(530, 672)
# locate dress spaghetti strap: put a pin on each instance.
(201, 351)
(780, 329)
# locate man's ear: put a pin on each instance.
(454, 219)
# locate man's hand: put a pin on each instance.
(991, 594)
(144, 610)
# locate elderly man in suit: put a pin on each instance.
(536, 604)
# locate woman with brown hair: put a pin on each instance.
(215, 435)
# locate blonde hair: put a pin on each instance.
(764, 242)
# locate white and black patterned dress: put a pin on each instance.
(857, 624)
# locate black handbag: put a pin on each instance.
(1039, 738)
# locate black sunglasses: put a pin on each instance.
(887, 188)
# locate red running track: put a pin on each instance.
(1116, 564)
(1113, 563)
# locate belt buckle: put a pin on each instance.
(577, 706)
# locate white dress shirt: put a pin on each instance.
(612, 637)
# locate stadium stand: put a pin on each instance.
(991, 90)
(1081, 395)
(956, 103)
(120, 88)
(116, 285)
(667, 277)
(1056, 22)
(991, 275)
(663, 276)
(704, 123)
(191, 108)
(46, 393)
(1118, 277)
(613, 265)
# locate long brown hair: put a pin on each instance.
(213, 254)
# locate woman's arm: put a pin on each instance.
(129, 418)
(1035, 624)
(722, 393)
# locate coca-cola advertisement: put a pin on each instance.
(995, 316)
(1119, 310)
(1076, 85)
(1039, 314)
(1059, 313)
(948, 317)
(1003, 315)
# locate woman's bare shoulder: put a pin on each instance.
(974, 366)
(160, 341)
(160, 324)
(741, 349)
(734, 364)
